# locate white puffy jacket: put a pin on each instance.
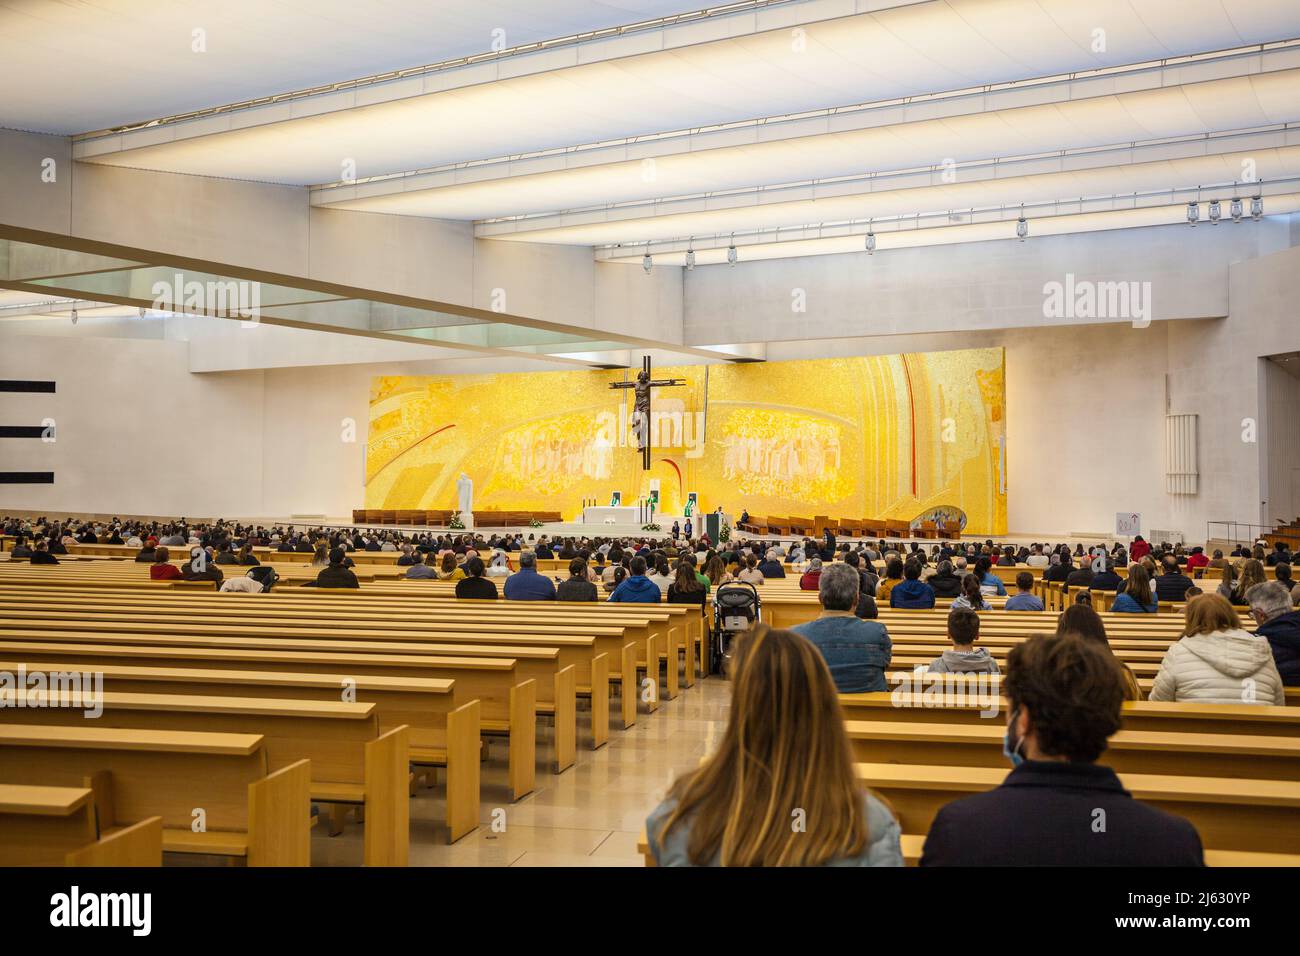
(1225, 667)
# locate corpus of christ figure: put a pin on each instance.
(641, 413)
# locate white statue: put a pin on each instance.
(465, 499)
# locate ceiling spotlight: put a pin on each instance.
(1256, 208)
(1216, 211)
(690, 256)
(1193, 213)
(1234, 209)
(647, 263)
(871, 242)
(731, 251)
(74, 316)
(1022, 228)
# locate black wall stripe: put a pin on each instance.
(16, 385)
(26, 477)
(21, 431)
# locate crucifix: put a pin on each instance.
(641, 413)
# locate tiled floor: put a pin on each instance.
(590, 815)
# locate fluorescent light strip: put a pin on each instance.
(1003, 230)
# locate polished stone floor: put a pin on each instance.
(590, 815)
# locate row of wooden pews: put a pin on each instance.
(431, 680)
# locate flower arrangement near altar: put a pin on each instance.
(456, 524)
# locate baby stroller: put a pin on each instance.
(736, 608)
(264, 575)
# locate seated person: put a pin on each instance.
(1216, 661)
(857, 651)
(336, 574)
(946, 582)
(417, 569)
(718, 814)
(808, 582)
(636, 588)
(1024, 599)
(750, 574)
(200, 567)
(21, 549)
(1171, 584)
(1136, 598)
(448, 569)
(475, 585)
(162, 569)
(964, 657)
(771, 566)
(972, 596)
(1063, 701)
(41, 554)
(526, 584)
(1082, 621)
(1279, 624)
(1106, 579)
(577, 587)
(893, 577)
(686, 588)
(1197, 560)
(990, 583)
(913, 592)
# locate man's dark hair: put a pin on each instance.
(337, 555)
(474, 567)
(578, 568)
(638, 565)
(1072, 690)
(1025, 580)
(963, 626)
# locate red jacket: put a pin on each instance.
(1195, 561)
(1139, 550)
(810, 581)
(164, 572)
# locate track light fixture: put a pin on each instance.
(647, 262)
(1234, 209)
(1193, 213)
(871, 239)
(731, 251)
(690, 255)
(1022, 227)
(1216, 211)
(1256, 208)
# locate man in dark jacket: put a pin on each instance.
(1107, 580)
(526, 584)
(336, 574)
(474, 585)
(1270, 606)
(771, 567)
(1171, 584)
(1058, 807)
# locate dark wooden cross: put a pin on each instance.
(641, 413)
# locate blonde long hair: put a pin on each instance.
(784, 750)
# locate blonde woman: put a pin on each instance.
(1252, 573)
(1216, 661)
(777, 792)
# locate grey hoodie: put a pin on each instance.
(978, 661)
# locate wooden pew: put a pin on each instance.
(353, 763)
(440, 733)
(507, 704)
(57, 826)
(250, 812)
(1129, 751)
(1256, 816)
(1140, 715)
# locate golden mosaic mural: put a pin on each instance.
(888, 436)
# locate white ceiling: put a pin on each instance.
(80, 65)
(790, 114)
(904, 51)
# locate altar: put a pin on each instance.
(621, 515)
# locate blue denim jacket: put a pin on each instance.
(882, 849)
(857, 651)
